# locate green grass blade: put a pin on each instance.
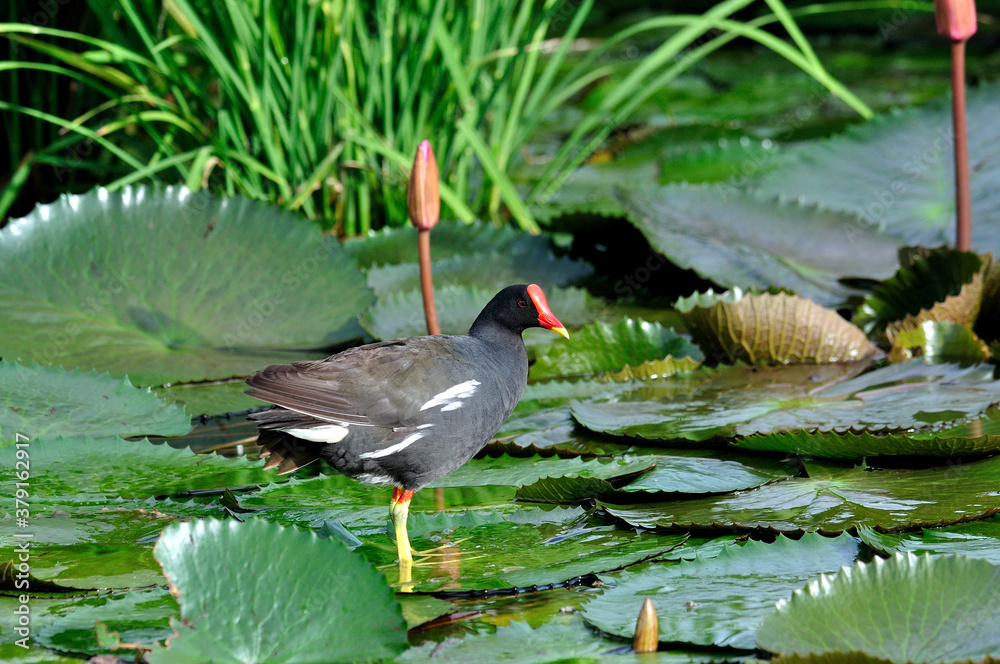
(499, 178)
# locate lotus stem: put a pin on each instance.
(426, 282)
(956, 20)
(423, 200)
(963, 198)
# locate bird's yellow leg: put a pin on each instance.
(399, 509)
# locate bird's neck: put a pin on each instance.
(505, 349)
(496, 335)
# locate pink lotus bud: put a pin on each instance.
(422, 197)
(956, 19)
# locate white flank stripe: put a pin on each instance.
(452, 395)
(406, 442)
(328, 433)
(371, 478)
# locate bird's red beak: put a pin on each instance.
(545, 316)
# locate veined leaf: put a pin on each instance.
(896, 173)
(861, 444)
(739, 239)
(738, 402)
(51, 402)
(938, 341)
(222, 573)
(166, 285)
(81, 470)
(402, 314)
(978, 539)
(602, 347)
(904, 609)
(480, 255)
(512, 471)
(768, 328)
(833, 499)
(719, 601)
(944, 285)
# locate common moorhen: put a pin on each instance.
(404, 412)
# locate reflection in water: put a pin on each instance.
(440, 562)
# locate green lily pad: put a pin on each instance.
(677, 473)
(833, 499)
(943, 285)
(904, 609)
(395, 246)
(479, 254)
(102, 524)
(771, 328)
(720, 601)
(557, 441)
(987, 424)
(489, 271)
(165, 285)
(513, 471)
(940, 342)
(236, 610)
(551, 432)
(738, 239)
(14, 581)
(896, 173)
(515, 642)
(652, 370)
(497, 550)
(214, 398)
(601, 347)
(561, 390)
(402, 314)
(902, 396)
(419, 609)
(139, 616)
(52, 402)
(80, 470)
(559, 490)
(978, 539)
(860, 444)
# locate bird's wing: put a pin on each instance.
(384, 384)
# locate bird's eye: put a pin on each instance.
(522, 304)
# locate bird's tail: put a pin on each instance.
(285, 452)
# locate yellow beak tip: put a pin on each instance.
(561, 331)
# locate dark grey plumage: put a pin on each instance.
(402, 412)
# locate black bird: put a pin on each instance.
(404, 412)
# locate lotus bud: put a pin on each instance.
(956, 19)
(647, 629)
(422, 196)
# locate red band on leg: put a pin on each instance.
(400, 496)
